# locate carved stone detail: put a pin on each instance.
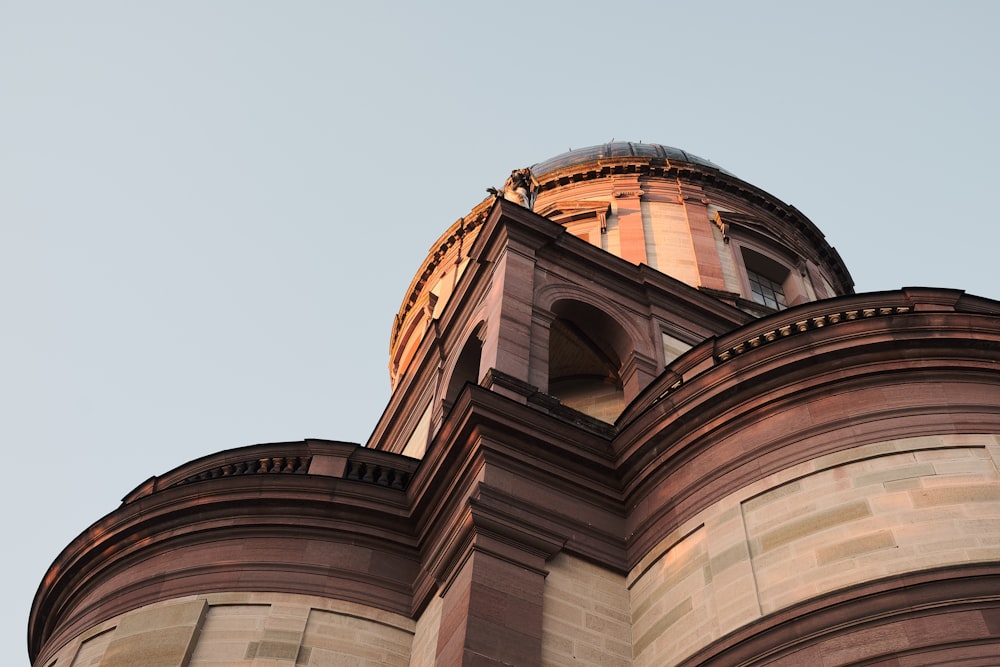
(520, 188)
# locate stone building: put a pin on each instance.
(643, 420)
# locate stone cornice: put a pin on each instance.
(892, 604)
(709, 177)
(567, 211)
(712, 425)
(462, 230)
(794, 321)
(319, 491)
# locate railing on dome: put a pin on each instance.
(375, 473)
(321, 458)
(771, 334)
(357, 470)
(295, 465)
(791, 322)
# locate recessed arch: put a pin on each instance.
(638, 339)
(467, 364)
(586, 354)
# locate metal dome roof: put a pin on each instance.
(619, 149)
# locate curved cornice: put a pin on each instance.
(462, 231)
(284, 512)
(798, 320)
(716, 421)
(901, 606)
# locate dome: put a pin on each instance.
(619, 149)
(652, 205)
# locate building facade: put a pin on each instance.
(639, 417)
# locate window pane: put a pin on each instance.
(766, 292)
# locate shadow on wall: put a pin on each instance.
(586, 348)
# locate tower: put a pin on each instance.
(644, 420)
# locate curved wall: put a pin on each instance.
(833, 523)
(244, 629)
(694, 223)
(830, 462)
(316, 518)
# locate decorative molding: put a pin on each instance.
(623, 194)
(811, 322)
(568, 211)
(901, 606)
(295, 465)
(455, 235)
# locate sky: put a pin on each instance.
(210, 211)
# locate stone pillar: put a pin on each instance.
(541, 326)
(637, 372)
(506, 346)
(706, 254)
(507, 343)
(492, 614)
(492, 606)
(630, 230)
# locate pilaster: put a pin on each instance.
(637, 373)
(706, 254)
(507, 344)
(627, 194)
(492, 601)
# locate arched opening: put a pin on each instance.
(586, 352)
(466, 367)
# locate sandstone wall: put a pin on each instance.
(861, 514)
(244, 630)
(585, 615)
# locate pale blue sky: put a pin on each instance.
(210, 211)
